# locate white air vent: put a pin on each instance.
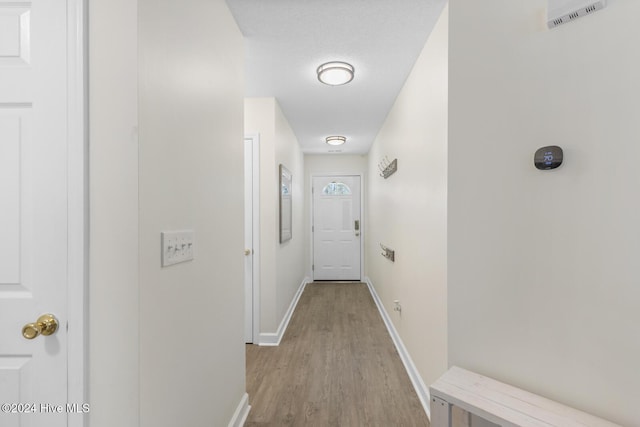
(562, 11)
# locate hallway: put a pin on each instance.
(523, 275)
(336, 366)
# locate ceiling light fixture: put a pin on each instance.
(336, 140)
(335, 73)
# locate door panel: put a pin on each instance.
(10, 193)
(336, 242)
(33, 213)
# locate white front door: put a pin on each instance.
(337, 228)
(34, 217)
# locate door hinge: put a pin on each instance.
(313, 229)
(313, 267)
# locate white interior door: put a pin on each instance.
(337, 228)
(248, 240)
(33, 210)
(252, 237)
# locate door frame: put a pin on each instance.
(78, 210)
(362, 217)
(255, 142)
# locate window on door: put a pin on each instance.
(336, 189)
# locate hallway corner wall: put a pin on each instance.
(408, 211)
(142, 354)
(113, 188)
(281, 264)
(543, 265)
(191, 91)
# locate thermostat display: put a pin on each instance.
(548, 157)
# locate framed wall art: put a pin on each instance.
(286, 202)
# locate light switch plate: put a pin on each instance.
(177, 246)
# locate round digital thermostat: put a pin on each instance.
(548, 157)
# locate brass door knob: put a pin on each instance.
(47, 324)
(247, 252)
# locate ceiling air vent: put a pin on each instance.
(562, 11)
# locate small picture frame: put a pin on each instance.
(286, 202)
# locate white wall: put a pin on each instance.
(166, 344)
(543, 266)
(290, 270)
(407, 212)
(328, 164)
(281, 265)
(113, 264)
(191, 177)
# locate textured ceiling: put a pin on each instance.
(286, 40)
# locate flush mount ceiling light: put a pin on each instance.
(335, 73)
(336, 140)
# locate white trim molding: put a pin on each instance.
(241, 413)
(418, 384)
(274, 338)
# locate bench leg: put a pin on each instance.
(440, 413)
(460, 417)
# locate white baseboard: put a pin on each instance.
(274, 338)
(242, 412)
(418, 384)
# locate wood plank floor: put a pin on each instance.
(336, 366)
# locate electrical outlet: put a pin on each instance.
(397, 307)
(177, 246)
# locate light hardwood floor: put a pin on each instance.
(336, 366)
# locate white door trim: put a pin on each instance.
(255, 138)
(78, 211)
(362, 218)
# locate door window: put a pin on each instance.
(336, 189)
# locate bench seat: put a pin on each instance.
(501, 404)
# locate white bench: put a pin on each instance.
(499, 403)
